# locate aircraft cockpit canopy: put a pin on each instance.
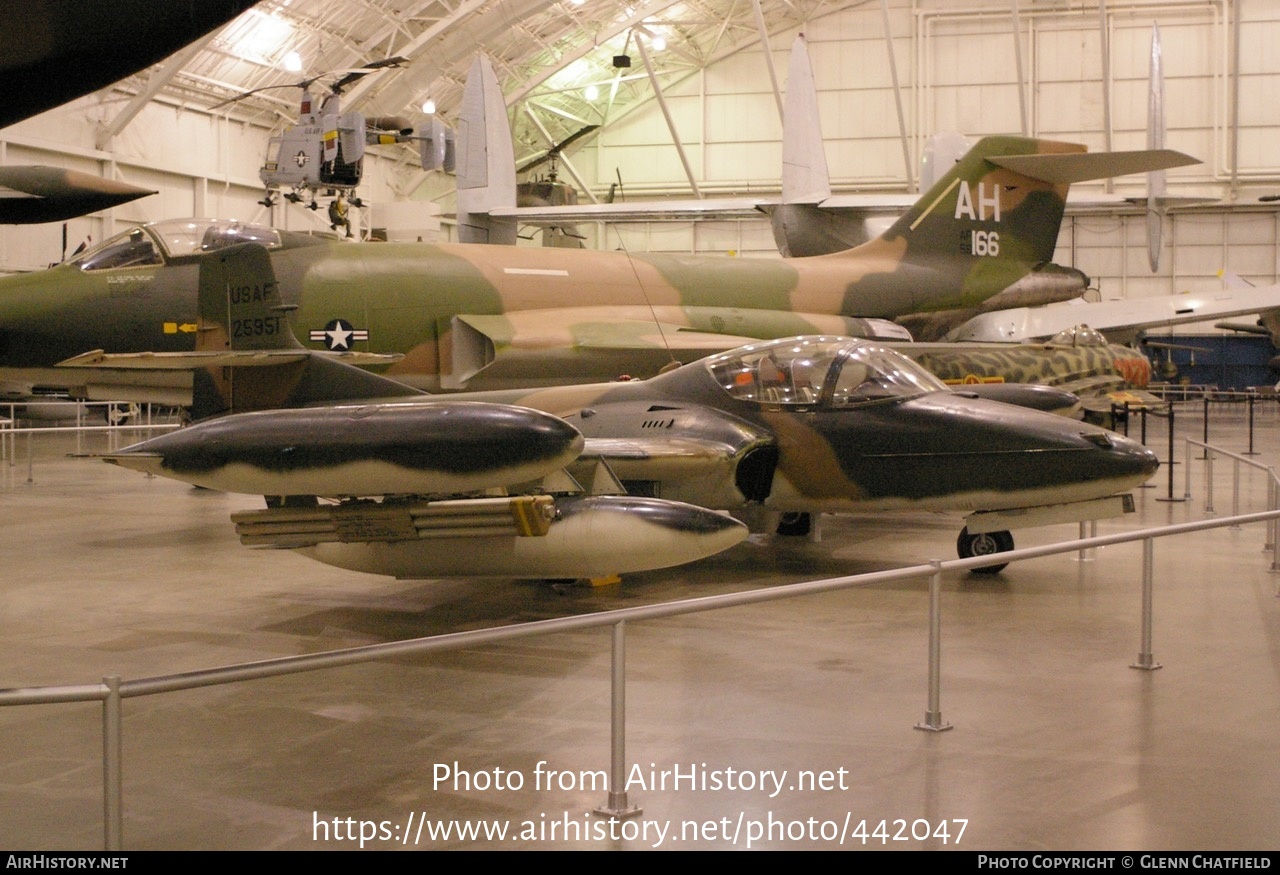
(196, 236)
(1080, 335)
(831, 372)
(155, 243)
(133, 248)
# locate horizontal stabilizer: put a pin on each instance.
(1070, 167)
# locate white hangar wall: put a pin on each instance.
(200, 164)
(957, 69)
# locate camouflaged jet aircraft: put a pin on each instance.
(488, 317)
(1078, 360)
(789, 426)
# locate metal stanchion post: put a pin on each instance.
(112, 781)
(1206, 420)
(1235, 490)
(1171, 462)
(1186, 473)
(933, 721)
(617, 805)
(1146, 660)
(1250, 451)
(1208, 481)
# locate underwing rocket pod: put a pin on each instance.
(590, 536)
(362, 450)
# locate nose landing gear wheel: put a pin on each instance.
(795, 525)
(985, 544)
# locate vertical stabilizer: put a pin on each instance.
(486, 164)
(1155, 140)
(805, 178)
(243, 316)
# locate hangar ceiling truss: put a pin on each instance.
(554, 58)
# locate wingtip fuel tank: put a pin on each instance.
(446, 447)
(589, 536)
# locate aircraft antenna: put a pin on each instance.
(666, 344)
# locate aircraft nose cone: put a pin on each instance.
(1121, 456)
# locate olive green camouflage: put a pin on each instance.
(477, 317)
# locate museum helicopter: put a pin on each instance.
(322, 154)
(548, 190)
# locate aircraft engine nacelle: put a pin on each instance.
(1048, 284)
(724, 462)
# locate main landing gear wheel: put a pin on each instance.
(986, 544)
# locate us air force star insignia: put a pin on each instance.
(301, 159)
(338, 335)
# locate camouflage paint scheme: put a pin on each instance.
(1079, 361)
(475, 317)
(792, 425)
(855, 432)
(1047, 364)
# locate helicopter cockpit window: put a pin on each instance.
(133, 248)
(873, 373)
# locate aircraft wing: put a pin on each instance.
(30, 195)
(1119, 320)
(722, 209)
(166, 377)
(637, 211)
(184, 361)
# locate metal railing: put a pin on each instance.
(146, 416)
(1237, 459)
(112, 691)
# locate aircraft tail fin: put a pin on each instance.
(244, 321)
(1156, 187)
(485, 160)
(805, 177)
(981, 233)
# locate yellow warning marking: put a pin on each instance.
(936, 201)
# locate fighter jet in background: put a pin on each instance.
(33, 194)
(55, 52)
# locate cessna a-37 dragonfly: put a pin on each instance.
(604, 478)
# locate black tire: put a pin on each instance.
(794, 525)
(986, 544)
